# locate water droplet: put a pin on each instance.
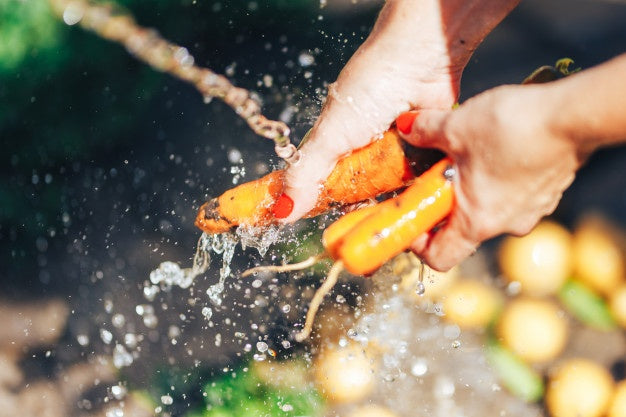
(420, 288)
(150, 292)
(167, 400)
(150, 321)
(305, 59)
(286, 308)
(419, 367)
(82, 339)
(73, 13)
(183, 57)
(207, 312)
(456, 344)
(121, 357)
(118, 320)
(106, 336)
(118, 391)
(130, 340)
(262, 347)
(234, 156)
(115, 412)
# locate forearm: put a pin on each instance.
(462, 23)
(590, 107)
(415, 48)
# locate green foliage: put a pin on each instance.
(245, 394)
(28, 29)
(586, 305)
(516, 375)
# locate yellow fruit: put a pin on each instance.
(540, 261)
(617, 304)
(579, 388)
(371, 411)
(618, 403)
(598, 259)
(471, 304)
(345, 374)
(534, 329)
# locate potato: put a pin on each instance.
(617, 305)
(534, 329)
(471, 304)
(579, 388)
(598, 258)
(618, 403)
(540, 261)
(371, 411)
(345, 374)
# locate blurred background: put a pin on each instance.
(105, 161)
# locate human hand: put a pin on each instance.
(413, 58)
(512, 166)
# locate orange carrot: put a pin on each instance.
(363, 240)
(390, 229)
(355, 178)
(334, 234)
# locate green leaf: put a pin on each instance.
(516, 375)
(586, 306)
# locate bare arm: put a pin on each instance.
(517, 148)
(413, 58)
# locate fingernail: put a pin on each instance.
(404, 122)
(283, 207)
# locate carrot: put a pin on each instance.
(363, 240)
(355, 178)
(395, 223)
(334, 234)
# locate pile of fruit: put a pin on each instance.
(553, 285)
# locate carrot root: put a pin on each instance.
(284, 268)
(316, 301)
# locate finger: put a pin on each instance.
(448, 246)
(303, 182)
(424, 128)
(420, 243)
(333, 136)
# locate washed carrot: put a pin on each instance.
(355, 178)
(334, 234)
(363, 240)
(398, 221)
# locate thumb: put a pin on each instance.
(424, 128)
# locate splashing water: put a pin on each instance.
(225, 245)
(170, 274)
(259, 238)
(421, 289)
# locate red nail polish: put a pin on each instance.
(404, 122)
(283, 207)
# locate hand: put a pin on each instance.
(512, 167)
(413, 58)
